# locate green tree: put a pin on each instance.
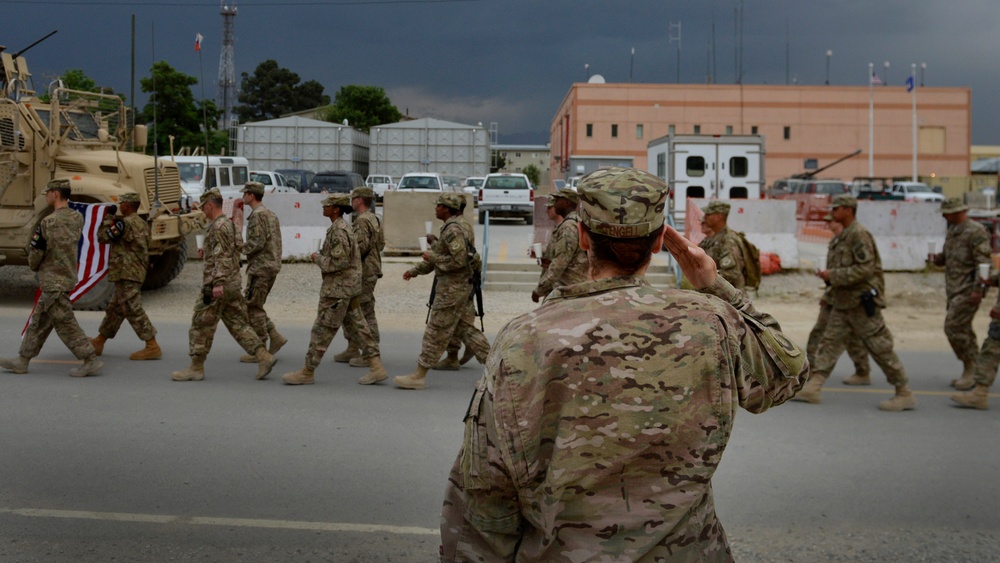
(499, 161)
(533, 173)
(273, 91)
(76, 79)
(363, 107)
(177, 113)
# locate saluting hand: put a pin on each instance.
(698, 267)
(407, 275)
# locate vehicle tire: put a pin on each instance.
(165, 267)
(482, 217)
(529, 220)
(97, 298)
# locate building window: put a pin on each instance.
(614, 130)
(788, 132)
(697, 129)
(753, 130)
(590, 129)
(638, 131)
(671, 129)
(504, 154)
(517, 155)
(729, 129)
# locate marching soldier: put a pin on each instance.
(263, 252)
(451, 361)
(563, 261)
(129, 240)
(724, 245)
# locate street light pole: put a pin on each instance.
(829, 53)
(885, 81)
(586, 72)
(923, 67)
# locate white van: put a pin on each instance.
(228, 173)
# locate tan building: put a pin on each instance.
(517, 157)
(611, 124)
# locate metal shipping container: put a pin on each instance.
(299, 142)
(429, 145)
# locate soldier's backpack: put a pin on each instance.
(751, 259)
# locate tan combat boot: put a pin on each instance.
(467, 356)
(277, 341)
(359, 362)
(98, 343)
(450, 363)
(265, 362)
(415, 380)
(859, 379)
(194, 372)
(347, 354)
(302, 377)
(902, 401)
(976, 399)
(16, 365)
(150, 352)
(810, 391)
(248, 358)
(376, 372)
(967, 381)
(91, 366)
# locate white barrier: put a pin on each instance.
(902, 231)
(768, 223)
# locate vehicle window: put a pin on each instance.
(190, 172)
(262, 178)
(224, 177)
(918, 189)
(695, 166)
(739, 167)
(212, 179)
(420, 182)
(829, 188)
(240, 175)
(506, 183)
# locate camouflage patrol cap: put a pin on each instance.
(128, 197)
(716, 207)
(567, 194)
(211, 194)
(844, 200)
(454, 201)
(56, 184)
(622, 202)
(337, 200)
(953, 205)
(255, 188)
(363, 191)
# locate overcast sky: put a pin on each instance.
(513, 61)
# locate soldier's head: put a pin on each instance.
(621, 218)
(211, 203)
(716, 215)
(253, 191)
(57, 191)
(128, 203)
(564, 201)
(954, 210)
(843, 208)
(336, 206)
(834, 226)
(448, 205)
(362, 198)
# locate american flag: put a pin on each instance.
(876, 81)
(92, 256)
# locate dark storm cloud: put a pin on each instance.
(512, 62)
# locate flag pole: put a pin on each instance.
(871, 121)
(204, 111)
(913, 90)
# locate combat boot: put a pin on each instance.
(277, 342)
(16, 365)
(359, 362)
(967, 381)
(91, 366)
(976, 399)
(468, 355)
(347, 354)
(902, 401)
(265, 362)
(450, 363)
(194, 372)
(248, 358)
(302, 377)
(150, 352)
(415, 380)
(859, 379)
(376, 373)
(98, 343)
(810, 391)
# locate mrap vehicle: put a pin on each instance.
(708, 167)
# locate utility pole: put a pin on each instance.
(226, 93)
(676, 38)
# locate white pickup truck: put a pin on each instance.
(916, 191)
(507, 195)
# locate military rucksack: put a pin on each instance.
(751, 261)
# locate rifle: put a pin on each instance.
(430, 302)
(477, 290)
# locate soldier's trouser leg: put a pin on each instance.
(473, 338)
(258, 288)
(126, 303)
(234, 315)
(204, 322)
(816, 334)
(874, 334)
(368, 307)
(859, 354)
(440, 328)
(54, 311)
(329, 317)
(855, 348)
(989, 356)
(356, 324)
(958, 327)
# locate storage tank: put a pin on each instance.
(299, 142)
(429, 145)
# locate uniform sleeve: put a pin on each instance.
(224, 246)
(862, 268)
(365, 236)
(771, 369)
(102, 231)
(256, 235)
(563, 245)
(422, 269)
(336, 253)
(452, 253)
(982, 251)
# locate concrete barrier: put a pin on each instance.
(404, 215)
(768, 223)
(903, 230)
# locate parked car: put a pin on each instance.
(421, 182)
(274, 183)
(472, 186)
(338, 181)
(297, 178)
(916, 191)
(783, 188)
(507, 195)
(380, 183)
(228, 173)
(452, 184)
(812, 198)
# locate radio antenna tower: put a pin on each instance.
(226, 94)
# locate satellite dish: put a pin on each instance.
(596, 79)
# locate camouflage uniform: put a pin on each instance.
(603, 414)
(726, 249)
(966, 245)
(340, 262)
(56, 265)
(263, 251)
(222, 268)
(469, 315)
(989, 355)
(370, 240)
(451, 313)
(127, 270)
(568, 264)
